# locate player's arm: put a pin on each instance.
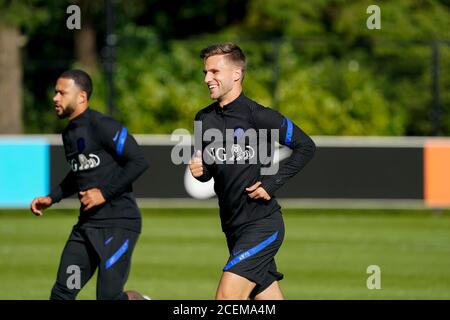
(66, 188)
(290, 135)
(116, 139)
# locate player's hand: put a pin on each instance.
(196, 164)
(91, 198)
(257, 192)
(39, 204)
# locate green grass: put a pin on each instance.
(181, 253)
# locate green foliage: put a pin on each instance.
(393, 82)
(159, 85)
(338, 98)
(315, 61)
(445, 89)
(26, 14)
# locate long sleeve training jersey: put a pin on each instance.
(232, 163)
(102, 154)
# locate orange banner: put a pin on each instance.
(437, 173)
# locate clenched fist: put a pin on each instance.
(256, 192)
(91, 198)
(196, 164)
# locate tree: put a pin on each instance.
(10, 80)
(14, 15)
(85, 39)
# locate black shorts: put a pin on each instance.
(252, 250)
(107, 250)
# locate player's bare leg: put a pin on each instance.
(273, 292)
(234, 287)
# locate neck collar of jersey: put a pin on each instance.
(230, 106)
(81, 115)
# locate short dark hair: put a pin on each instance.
(231, 50)
(81, 79)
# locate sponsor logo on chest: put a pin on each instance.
(84, 162)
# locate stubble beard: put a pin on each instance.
(67, 112)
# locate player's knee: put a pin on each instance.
(62, 292)
(229, 294)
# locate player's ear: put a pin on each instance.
(82, 97)
(237, 74)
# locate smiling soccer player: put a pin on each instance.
(251, 217)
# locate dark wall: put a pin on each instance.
(335, 172)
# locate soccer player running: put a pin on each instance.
(250, 216)
(104, 160)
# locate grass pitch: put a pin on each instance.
(181, 253)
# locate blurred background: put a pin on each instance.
(350, 80)
(376, 102)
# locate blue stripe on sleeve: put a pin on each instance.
(121, 142)
(289, 132)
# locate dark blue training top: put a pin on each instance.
(102, 154)
(232, 164)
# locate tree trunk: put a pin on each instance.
(85, 38)
(85, 47)
(10, 81)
